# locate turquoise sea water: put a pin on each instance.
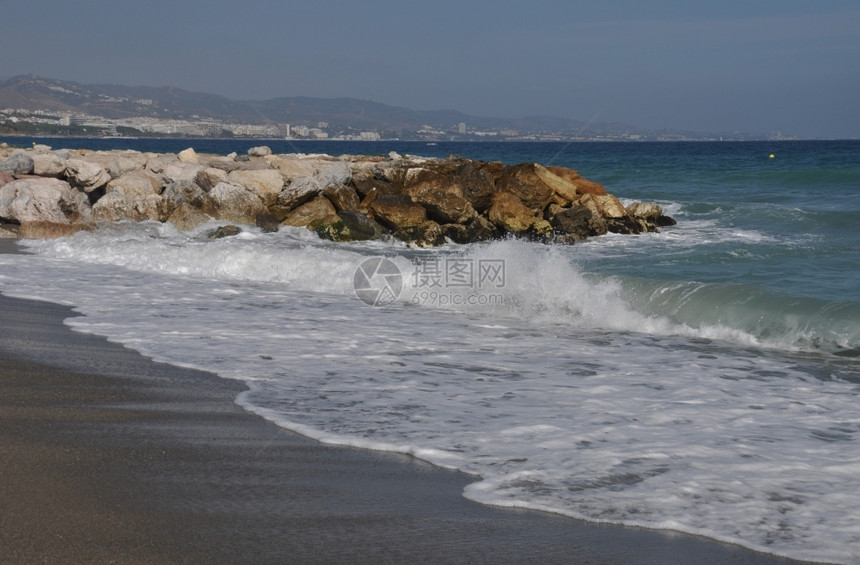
(703, 379)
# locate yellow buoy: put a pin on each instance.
(771, 156)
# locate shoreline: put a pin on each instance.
(107, 455)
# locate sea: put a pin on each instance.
(704, 379)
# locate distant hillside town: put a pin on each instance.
(32, 105)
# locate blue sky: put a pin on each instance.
(752, 66)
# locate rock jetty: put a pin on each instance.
(48, 193)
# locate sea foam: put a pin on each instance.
(564, 395)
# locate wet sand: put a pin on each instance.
(107, 456)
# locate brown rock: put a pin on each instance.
(442, 196)
(427, 234)
(583, 185)
(367, 183)
(397, 210)
(509, 213)
(524, 182)
(267, 223)
(609, 206)
(477, 183)
(574, 222)
(478, 229)
(187, 217)
(319, 209)
(342, 196)
(349, 225)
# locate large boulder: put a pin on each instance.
(649, 216)
(397, 210)
(210, 176)
(292, 167)
(138, 184)
(186, 217)
(348, 226)
(558, 178)
(125, 163)
(509, 213)
(583, 185)
(524, 181)
(265, 183)
(18, 163)
(645, 210)
(43, 200)
(609, 206)
(317, 210)
(185, 192)
(577, 223)
(85, 175)
(117, 206)
(188, 156)
(48, 165)
(477, 184)
(297, 193)
(441, 195)
(343, 197)
(478, 229)
(366, 183)
(325, 172)
(426, 234)
(179, 171)
(233, 204)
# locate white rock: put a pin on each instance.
(116, 206)
(43, 200)
(189, 156)
(261, 151)
(234, 204)
(48, 165)
(88, 176)
(265, 183)
(175, 172)
(137, 184)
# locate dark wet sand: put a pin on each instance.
(108, 457)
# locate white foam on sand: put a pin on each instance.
(560, 397)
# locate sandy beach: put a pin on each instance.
(109, 457)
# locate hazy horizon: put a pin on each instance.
(789, 67)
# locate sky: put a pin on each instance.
(755, 66)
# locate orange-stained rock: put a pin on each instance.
(510, 214)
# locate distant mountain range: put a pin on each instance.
(32, 92)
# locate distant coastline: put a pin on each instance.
(38, 106)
